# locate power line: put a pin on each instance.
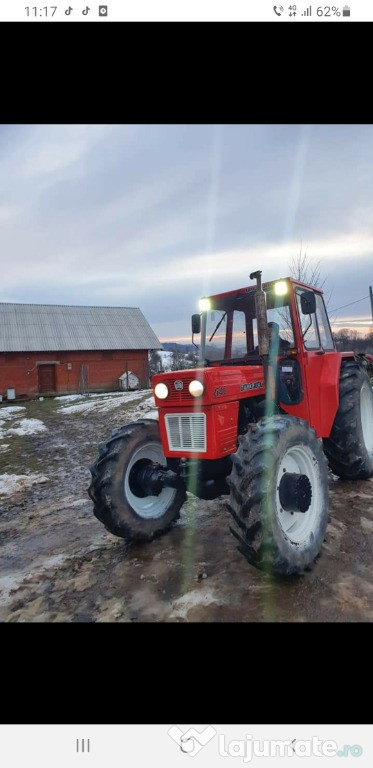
(348, 305)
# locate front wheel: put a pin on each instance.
(119, 500)
(279, 495)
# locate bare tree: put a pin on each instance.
(191, 359)
(178, 360)
(155, 362)
(306, 270)
(348, 339)
(309, 271)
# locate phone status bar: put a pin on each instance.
(187, 10)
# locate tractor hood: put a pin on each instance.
(221, 383)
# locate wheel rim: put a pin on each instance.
(299, 526)
(148, 507)
(366, 415)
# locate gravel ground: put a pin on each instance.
(58, 563)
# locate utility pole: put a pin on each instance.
(371, 300)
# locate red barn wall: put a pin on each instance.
(19, 370)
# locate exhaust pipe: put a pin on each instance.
(261, 315)
(263, 338)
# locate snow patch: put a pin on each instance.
(146, 410)
(169, 357)
(50, 562)
(20, 426)
(148, 401)
(11, 583)
(69, 397)
(8, 411)
(107, 394)
(27, 427)
(151, 415)
(88, 395)
(366, 524)
(192, 599)
(10, 484)
(4, 447)
(107, 404)
(166, 359)
(78, 503)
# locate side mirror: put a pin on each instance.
(308, 302)
(196, 324)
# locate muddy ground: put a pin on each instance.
(58, 563)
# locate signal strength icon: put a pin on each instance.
(308, 11)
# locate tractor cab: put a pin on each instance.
(263, 349)
(228, 324)
(294, 316)
(229, 328)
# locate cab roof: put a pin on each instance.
(252, 288)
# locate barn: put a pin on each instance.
(49, 349)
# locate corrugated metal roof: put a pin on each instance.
(48, 328)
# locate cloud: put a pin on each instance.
(52, 157)
(7, 212)
(155, 216)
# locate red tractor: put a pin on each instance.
(270, 404)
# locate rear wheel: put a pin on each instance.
(349, 449)
(279, 495)
(119, 499)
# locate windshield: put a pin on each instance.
(230, 327)
(216, 330)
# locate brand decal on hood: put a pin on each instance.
(252, 385)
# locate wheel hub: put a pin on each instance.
(148, 478)
(295, 492)
(138, 479)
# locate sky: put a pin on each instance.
(155, 216)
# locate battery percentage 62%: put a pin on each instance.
(328, 10)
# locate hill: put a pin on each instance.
(172, 346)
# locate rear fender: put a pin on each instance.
(329, 392)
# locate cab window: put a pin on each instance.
(308, 326)
(239, 338)
(278, 311)
(323, 323)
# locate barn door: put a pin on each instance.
(47, 378)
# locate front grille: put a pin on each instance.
(186, 432)
(177, 395)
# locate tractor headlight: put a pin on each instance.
(196, 388)
(161, 391)
(281, 288)
(204, 305)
